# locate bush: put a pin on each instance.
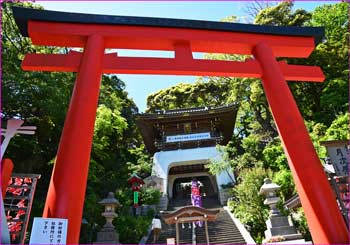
(300, 223)
(125, 197)
(247, 204)
(149, 196)
(131, 229)
(151, 213)
(284, 179)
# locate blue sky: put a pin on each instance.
(140, 86)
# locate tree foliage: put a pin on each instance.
(247, 204)
(42, 99)
(39, 98)
(339, 129)
(212, 93)
(282, 15)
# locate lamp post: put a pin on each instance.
(108, 233)
(136, 183)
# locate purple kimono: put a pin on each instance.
(196, 197)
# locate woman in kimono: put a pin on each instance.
(196, 197)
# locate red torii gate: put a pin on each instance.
(95, 33)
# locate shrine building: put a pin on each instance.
(182, 142)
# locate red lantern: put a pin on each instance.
(136, 183)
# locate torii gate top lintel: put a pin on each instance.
(23, 15)
(64, 29)
(281, 36)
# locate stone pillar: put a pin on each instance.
(224, 194)
(280, 228)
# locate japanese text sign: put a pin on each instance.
(49, 231)
(339, 152)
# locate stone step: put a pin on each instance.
(283, 230)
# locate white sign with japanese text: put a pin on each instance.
(49, 231)
(187, 137)
(340, 157)
(170, 241)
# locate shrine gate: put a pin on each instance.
(96, 33)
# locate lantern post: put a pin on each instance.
(136, 183)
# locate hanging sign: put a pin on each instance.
(187, 137)
(339, 152)
(49, 231)
(170, 241)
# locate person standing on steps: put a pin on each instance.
(156, 227)
(196, 198)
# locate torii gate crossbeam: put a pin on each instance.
(95, 33)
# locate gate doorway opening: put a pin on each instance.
(180, 182)
(182, 192)
(182, 188)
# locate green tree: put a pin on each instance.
(225, 164)
(183, 95)
(322, 102)
(39, 98)
(282, 15)
(42, 99)
(247, 204)
(339, 129)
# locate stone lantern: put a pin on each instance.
(108, 234)
(280, 228)
(269, 189)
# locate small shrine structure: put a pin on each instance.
(183, 141)
(190, 214)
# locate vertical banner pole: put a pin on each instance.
(177, 234)
(326, 224)
(65, 198)
(206, 231)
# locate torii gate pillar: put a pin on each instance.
(302, 158)
(66, 194)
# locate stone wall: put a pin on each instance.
(224, 195)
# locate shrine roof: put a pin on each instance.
(23, 15)
(146, 122)
(186, 112)
(190, 214)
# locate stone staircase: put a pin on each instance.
(221, 231)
